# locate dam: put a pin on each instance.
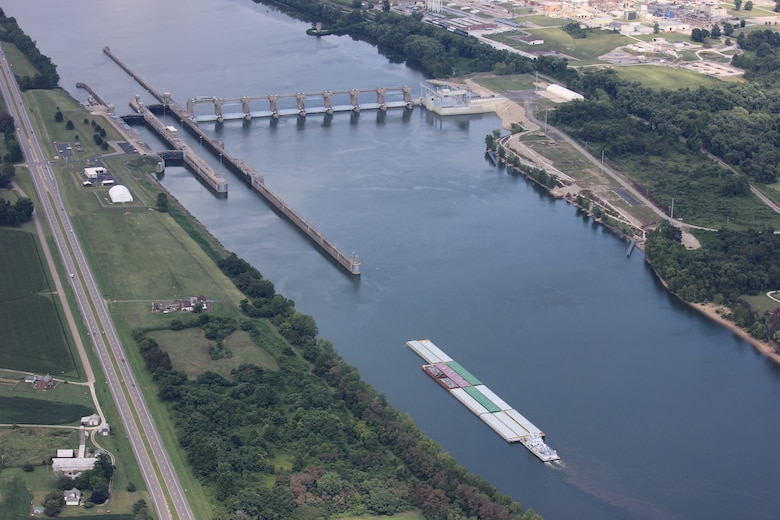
(350, 263)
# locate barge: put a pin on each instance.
(510, 424)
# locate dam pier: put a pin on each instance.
(146, 115)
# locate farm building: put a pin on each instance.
(563, 93)
(120, 193)
(72, 467)
(65, 454)
(91, 420)
(40, 382)
(92, 173)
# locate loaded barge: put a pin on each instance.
(491, 409)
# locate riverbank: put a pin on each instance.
(511, 113)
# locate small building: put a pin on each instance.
(42, 383)
(107, 182)
(64, 454)
(171, 129)
(30, 379)
(105, 429)
(72, 497)
(93, 173)
(91, 420)
(86, 184)
(37, 510)
(119, 193)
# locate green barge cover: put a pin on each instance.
(462, 372)
(482, 399)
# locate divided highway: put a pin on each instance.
(165, 490)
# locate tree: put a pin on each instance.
(715, 31)
(656, 28)
(386, 6)
(58, 116)
(162, 202)
(69, 125)
(52, 503)
(749, 5)
(737, 5)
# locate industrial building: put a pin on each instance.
(120, 193)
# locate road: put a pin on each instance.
(142, 432)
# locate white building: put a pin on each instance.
(563, 93)
(92, 173)
(120, 193)
(72, 497)
(72, 467)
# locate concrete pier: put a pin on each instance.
(237, 166)
(192, 160)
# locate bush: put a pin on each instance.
(28, 467)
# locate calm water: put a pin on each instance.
(657, 412)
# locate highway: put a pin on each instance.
(136, 418)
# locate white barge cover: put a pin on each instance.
(468, 401)
(433, 349)
(511, 424)
(499, 427)
(423, 352)
(525, 423)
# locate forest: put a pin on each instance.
(729, 264)
(349, 452)
(438, 53)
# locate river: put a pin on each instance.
(656, 411)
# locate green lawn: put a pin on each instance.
(658, 78)
(43, 104)
(19, 64)
(26, 410)
(505, 83)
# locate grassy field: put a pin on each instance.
(34, 445)
(505, 83)
(579, 51)
(18, 62)
(658, 78)
(189, 351)
(63, 392)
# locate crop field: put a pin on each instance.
(25, 410)
(19, 256)
(33, 336)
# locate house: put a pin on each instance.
(43, 383)
(91, 420)
(105, 429)
(72, 497)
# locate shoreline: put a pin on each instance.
(515, 113)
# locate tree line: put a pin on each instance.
(435, 51)
(350, 452)
(47, 76)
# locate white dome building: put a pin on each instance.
(120, 193)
